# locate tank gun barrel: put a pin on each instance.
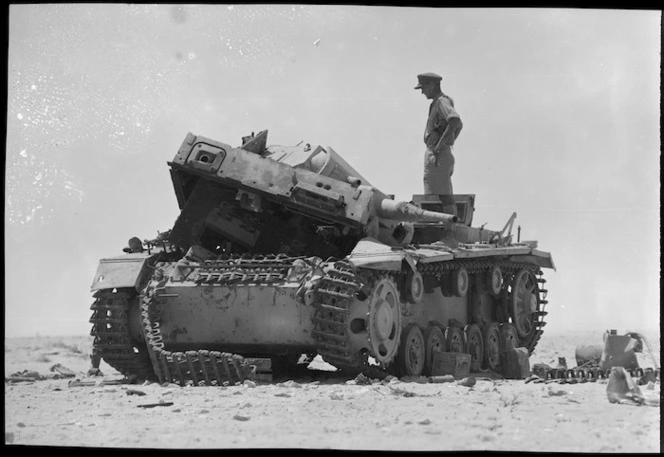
(409, 212)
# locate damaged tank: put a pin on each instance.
(282, 253)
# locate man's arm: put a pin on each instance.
(450, 134)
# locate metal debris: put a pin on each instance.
(152, 405)
(622, 389)
(62, 371)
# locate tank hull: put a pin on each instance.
(284, 251)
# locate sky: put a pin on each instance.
(561, 114)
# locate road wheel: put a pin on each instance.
(475, 346)
(492, 348)
(455, 340)
(412, 352)
(434, 340)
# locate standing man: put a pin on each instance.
(442, 129)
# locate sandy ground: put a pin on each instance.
(328, 414)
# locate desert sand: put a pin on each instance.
(330, 413)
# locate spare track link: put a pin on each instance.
(205, 367)
(112, 339)
(509, 269)
(334, 294)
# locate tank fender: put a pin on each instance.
(371, 253)
(121, 271)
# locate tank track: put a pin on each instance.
(112, 339)
(206, 367)
(334, 294)
(592, 374)
(509, 269)
(337, 288)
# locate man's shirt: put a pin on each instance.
(441, 112)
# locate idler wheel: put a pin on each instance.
(384, 321)
(523, 302)
(509, 339)
(459, 282)
(434, 340)
(475, 346)
(492, 347)
(412, 352)
(494, 280)
(455, 340)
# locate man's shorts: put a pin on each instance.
(438, 177)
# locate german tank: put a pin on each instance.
(281, 252)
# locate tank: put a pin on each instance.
(283, 253)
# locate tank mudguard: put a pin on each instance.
(121, 271)
(372, 254)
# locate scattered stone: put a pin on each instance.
(176, 410)
(402, 392)
(531, 378)
(424, 422)
(167, 392)
(140, 393)
(237, 392)
(361, 379)
(337, 395)
(290, 383)
(20, 424)
(77, 383)
(552, 392)
(467, 382)
(238, 417)
(204, 411)
(249, 383)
